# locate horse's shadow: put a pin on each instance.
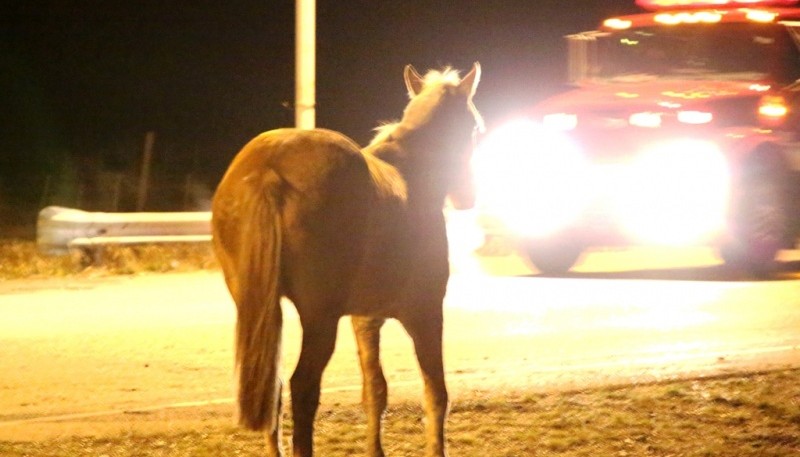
(786, 271)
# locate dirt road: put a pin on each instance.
(73, 351)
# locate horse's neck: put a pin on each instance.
(382, 160)
(389, 152)
(389, 165)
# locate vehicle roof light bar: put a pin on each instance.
(657, 5)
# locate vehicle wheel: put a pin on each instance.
(760, 222)
(552, 257)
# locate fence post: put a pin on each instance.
(144, 178)
(45, 192)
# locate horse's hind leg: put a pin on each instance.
(426, 332)
(368, 335)
(274, 437)
(319, 340)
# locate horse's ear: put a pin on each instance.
(413, 80)
(470, 82)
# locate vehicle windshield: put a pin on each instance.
(733, 51)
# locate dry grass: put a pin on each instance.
(21, 259)
(743, 415)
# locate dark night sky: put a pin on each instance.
(91, 76)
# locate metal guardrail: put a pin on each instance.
(59, 229)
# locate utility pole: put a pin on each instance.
(305, 64)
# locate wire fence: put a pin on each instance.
(22, 197)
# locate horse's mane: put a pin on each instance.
(382, 152)
(445, 77)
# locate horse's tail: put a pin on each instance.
(256, 274)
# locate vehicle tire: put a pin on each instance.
(760, 220)
(552, 256)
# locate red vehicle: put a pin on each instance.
(682, 128)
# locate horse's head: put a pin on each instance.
(445, 121)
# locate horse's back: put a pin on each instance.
(301, 157)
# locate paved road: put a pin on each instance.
(94, 346)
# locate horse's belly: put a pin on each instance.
(398, 277)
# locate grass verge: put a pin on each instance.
(21, 259)
(756, 414)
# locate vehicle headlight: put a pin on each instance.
(531, 178)
(678, 192)
(560, 121)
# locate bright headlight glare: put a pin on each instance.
(530, 177)
(560, 121)
(695, 117)
(645, 119)
(678, 194)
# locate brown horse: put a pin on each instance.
(307, 215)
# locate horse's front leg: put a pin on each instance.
(368, 334)
(319, 340)
(425, 330)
